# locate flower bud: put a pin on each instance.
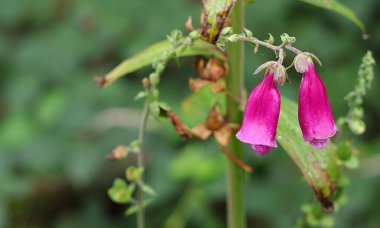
(279, 75)
(133, 173)
(301, 63)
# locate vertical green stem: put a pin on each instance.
(235, 174)
(140, 164)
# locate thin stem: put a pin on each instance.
(259, 42)
(280, 47)
(140, 164)
(235, 175)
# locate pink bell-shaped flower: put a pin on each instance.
(261, 116)
(314, 113)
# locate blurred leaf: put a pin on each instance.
(147, 189)
(339, 8)
(352, 163)
(15, 131)
(344, 151)
(215, 14)
(120, 192)
(196, 106)
(52, 107)
(133, 173)
(135, 208)
(317, 166)
(148, 55)
(208, 167)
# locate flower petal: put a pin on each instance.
(314, 111)
(261, 116)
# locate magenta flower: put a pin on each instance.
(314, 112)
(261, 116)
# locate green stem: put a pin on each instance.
(235, 174)
(140, 164)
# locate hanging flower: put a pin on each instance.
(314, 113)
(261, 116)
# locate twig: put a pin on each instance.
(238, 162)
(140, 163)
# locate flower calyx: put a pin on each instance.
(280, 75)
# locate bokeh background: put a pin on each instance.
(56, 125)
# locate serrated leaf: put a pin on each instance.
(339, 8)
(214, 17)
(318, 167)
(155, 51)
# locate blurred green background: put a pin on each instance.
(56, 125)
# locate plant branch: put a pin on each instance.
(140, 163)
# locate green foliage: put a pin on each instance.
(318, 167)
(161, 50)
(54, 135)
(121, 192)
(339, 8)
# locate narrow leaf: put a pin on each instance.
(319, 167)
(339, 8)
(148, 55)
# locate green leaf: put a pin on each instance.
(339, 8)
(215, 14)
(120, 192)
(319, 167)
(147, 189)
(148, 56)
(133, 173)
(195, 107)
(135, 208)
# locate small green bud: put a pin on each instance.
(134, 146)
(344, 151)
(226, 31)
(120, 192)
(357, 126)
(233, 38)
(271, 39)
(133, 173)
(194, 35)
(248, 33)
(286, 39)
(155, 94)
(154, 79)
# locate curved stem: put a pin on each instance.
(235, 174)
(140, 164)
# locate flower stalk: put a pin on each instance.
(234, 82)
